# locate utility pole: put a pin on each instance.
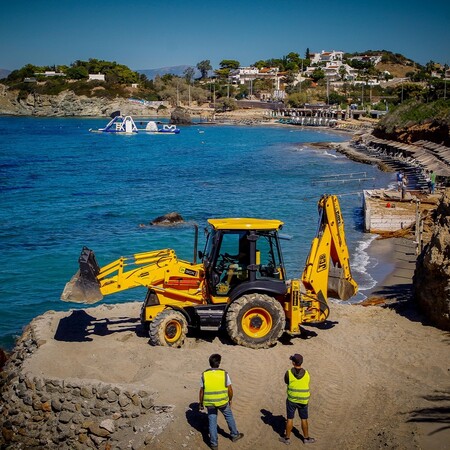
(301, 76)
(328, 90)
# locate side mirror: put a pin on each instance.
(200, 254)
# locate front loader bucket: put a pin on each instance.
(338, 286)
(84, 286)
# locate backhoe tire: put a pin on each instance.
(255, 321)
(168, 329)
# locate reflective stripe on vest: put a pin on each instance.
(298, 390)
(215, 391)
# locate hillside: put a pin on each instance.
(4, 73)
(414, 120)
(396, 70)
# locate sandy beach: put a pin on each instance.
(380, 375)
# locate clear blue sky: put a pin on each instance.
(152, 34)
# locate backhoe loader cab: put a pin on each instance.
(242, 255)
(239, 285)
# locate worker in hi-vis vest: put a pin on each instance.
(216, 394)
(297, 380)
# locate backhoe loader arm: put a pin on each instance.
(91, 282)
(327, 270)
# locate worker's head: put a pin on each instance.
(296, 359)
(214, 361)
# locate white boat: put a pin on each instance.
(126, 125)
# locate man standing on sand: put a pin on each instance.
(216, 394)
(297, 380)
(432, 181)
(399, 179)
(404, 186)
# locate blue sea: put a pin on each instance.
(62, 187)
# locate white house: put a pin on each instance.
(96, 77)
(323, 56)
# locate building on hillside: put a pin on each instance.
(96, 77)
(50, 73)
(335, 70)
(373, 59)
(244, 75)
(324, 57)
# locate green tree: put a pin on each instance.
(77, 72)
(231, 64)
(226, 66)
(318, 74)
(204, 67)
(189, 74)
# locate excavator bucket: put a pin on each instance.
(338, 286)
(84, 286)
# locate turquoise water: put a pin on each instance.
(62, 187)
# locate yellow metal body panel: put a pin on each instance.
(245, 224)
(152, 311)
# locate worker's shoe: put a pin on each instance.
(237, 437)
(285, 440)
(309, 440)
(213, 447)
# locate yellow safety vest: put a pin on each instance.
(215, 390)
(298, 390)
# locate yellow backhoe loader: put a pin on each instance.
(240, 283)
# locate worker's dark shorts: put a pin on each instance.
(292, 407)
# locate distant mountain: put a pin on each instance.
(4, 73)
(174, 70)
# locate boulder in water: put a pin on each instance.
(172, 218)
(180, 116)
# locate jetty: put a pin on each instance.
(384, 210)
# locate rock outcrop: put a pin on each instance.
(67, 104)
(432, 130)
(180, 116)
(172, 218)
(431, 280)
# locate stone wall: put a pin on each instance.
(432, 275)
(38, 412)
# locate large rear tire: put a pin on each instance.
(255, 321)
(168, 329)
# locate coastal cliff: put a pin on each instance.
(432, 275)
(414, 121)
(67, 104)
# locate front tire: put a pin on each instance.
(168, 329)
(255, 321)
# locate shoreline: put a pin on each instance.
(394, 271)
